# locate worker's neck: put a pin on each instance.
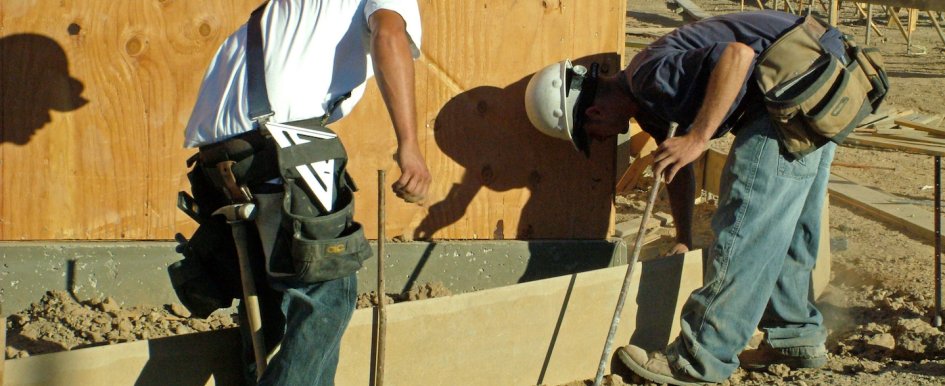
(616, 89)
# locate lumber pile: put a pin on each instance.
(904, 130)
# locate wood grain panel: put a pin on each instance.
(109, 168)
(495, 176)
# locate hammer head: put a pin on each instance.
(237, 212)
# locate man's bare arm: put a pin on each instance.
(393, 68)
(725, 82)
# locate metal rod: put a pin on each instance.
(937, 319)
(381, 312)
(637, 246)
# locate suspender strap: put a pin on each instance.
(258, 97)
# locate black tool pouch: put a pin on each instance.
(318, 211)
(207, 278)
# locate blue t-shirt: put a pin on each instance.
(668, 79)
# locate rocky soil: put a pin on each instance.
(59, 322)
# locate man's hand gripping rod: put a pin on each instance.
(637, 246)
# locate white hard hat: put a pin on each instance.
(551, 99)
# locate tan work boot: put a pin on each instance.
(654, 367)
(765, 355)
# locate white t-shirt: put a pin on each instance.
(315, 52)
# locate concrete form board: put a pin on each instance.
(136, 273)
(548, 331)
(210, 358)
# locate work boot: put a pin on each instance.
(765, 355)
(654, 367)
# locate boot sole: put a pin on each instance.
(793, 363)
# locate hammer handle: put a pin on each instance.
(250, 300)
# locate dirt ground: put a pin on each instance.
(60, 322)
(880, 299)
(877, 307)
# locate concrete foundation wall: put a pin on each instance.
(136, 273)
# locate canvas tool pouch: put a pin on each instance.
(326, 242)
(811, 95)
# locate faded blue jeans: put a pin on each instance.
(767, 230)
(315, 315)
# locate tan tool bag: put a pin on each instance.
(811, 95)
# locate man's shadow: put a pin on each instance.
(34, 79)
(486, 131)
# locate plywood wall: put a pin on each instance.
(95, 95)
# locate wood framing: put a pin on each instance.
(95, 96)
(641, 147)
(921, 125)
(925, 5)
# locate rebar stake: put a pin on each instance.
(381, 313)
(637, 246)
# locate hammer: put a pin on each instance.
(237, 215)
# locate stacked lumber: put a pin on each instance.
(905, 131)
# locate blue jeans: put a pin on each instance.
(315, 315)
(767, 230)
